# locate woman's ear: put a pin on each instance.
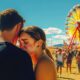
(39, 43)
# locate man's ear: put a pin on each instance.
(18, 27)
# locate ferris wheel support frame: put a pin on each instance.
(72, 39)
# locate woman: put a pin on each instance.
(33, 40)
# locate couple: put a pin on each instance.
(15, 63)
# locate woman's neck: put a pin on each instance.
(1, 38)
(39, 53)
(35, 58)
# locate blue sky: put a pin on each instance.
(50, 15)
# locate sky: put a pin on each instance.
(50, 15)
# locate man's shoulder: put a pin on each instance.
(14, 49)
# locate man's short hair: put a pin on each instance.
(9, 18)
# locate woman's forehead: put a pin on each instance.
(25, 35)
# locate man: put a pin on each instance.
(15, 64)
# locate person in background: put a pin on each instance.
(33, 40)
(15, 64)
(78, 60)
(64, 56)
(59, 59)
(69, 58)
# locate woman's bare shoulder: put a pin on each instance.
(45, 68)
(45, 59)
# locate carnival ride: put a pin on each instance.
(73, 26)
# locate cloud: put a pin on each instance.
(62, 37)
(58, 38)
(52, 30)
(57, 42)
(51, 41)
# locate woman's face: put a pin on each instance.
(28, 43)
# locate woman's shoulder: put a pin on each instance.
(45, 61)
(45, 68)
(45, 58)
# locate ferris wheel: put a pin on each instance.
(73, 25)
